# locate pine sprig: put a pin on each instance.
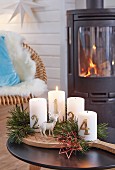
(102, 130)
(18, 125)
(66, 126)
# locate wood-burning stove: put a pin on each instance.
(91, 58)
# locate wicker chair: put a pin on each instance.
(40, 73)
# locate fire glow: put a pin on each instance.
(92, 69)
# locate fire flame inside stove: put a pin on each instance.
(92, 69)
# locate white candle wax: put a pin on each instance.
(87, 125)
(38, 111)
(56, 102)
(75, 105)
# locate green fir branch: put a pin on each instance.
(102, 131)
(66, 126)
(18, 125)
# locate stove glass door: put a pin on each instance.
(96, 51)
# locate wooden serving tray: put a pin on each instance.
(50, 142)
(41, 141)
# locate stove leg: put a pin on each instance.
(33, 167)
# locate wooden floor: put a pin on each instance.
(7, 161)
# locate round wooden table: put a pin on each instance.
(50, 158)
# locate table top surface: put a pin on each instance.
(50, 158)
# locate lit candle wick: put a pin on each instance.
(94, 47)
(56, 88)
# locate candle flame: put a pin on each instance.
(113, 62)
(94, 47)
(56, 88)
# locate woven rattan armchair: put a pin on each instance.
(40, 73)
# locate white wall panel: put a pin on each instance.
(43, 4)
(49, 5)
(40, 16)
(47, 49)
(80, 4)
(52, 83)
(51, 62)
(33, 28)
(48, 16)
(109, 3)
(42, 39)
(70, 4)
(53, 73)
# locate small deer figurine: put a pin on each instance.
(49, 126)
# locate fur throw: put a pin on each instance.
(36, 87)
(21, 58)
(24, 66)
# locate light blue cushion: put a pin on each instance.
(8, 75)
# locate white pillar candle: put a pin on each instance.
(75, 105)
(87, 125)
(56, 103)
(38, 111)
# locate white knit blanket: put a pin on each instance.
(24, 66)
